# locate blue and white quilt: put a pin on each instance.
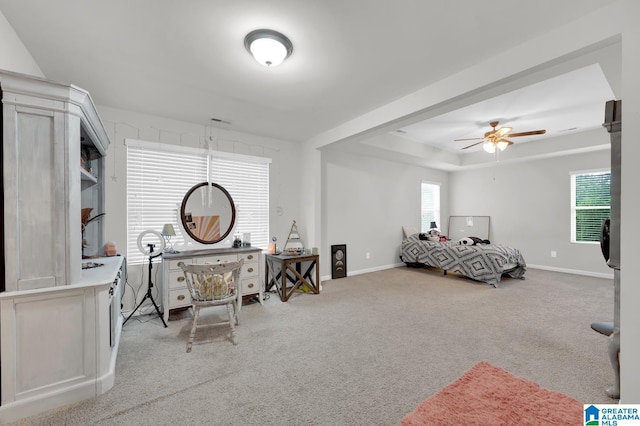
(482, 262)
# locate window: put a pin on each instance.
(430, 205)
(590, 204)
(159, 175)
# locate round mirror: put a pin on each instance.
(208, 213)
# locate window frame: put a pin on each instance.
(424, 225)
(574, 209)
(173, 170)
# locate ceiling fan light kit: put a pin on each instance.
(498, 138)
(269, 48)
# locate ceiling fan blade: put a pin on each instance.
(532, 132)
(468, 139)
(477, 143)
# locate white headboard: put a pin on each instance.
(468, 226)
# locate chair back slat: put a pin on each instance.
(210, 282)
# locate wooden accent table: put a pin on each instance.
(281, 269)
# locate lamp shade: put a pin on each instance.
(433, 225)
(502, 145)
(490, 147)
(168, 231)
(268, 47)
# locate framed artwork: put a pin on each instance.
(338, 261)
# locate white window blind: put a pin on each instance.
(430, 205)
(159, 176)
(590, 204)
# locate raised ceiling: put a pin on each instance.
(569, 103)
(186, 60)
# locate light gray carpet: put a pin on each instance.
(366, 351)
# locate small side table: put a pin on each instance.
(281, 269)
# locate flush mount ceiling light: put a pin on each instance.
(268, 47)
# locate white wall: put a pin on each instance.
(627, 13)
(530, 208)
(366, 201)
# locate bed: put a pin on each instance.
(481, 262)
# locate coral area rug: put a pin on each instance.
(488, 395)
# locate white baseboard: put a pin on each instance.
(546, 268)
(572, 271)
(366, 271)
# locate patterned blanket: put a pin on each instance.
(482, 262)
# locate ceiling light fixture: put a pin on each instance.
(268, 47)
(490, 146)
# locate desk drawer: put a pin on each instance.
(223, 258)
(250, 285)
(250, 270)
(173, 264)
(176, 280)
(250, 257)
(179, 298)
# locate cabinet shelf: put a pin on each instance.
(87, 178)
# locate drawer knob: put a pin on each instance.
(250, 257)
(180, 279)
(250, 285)
(181, 297)
(250, 270)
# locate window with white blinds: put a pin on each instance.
(159, 175)
(430, 205)
(590, 204)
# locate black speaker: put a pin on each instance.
(338, 261)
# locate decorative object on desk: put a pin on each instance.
(338, 261)
(85, 218)
(207, 213)
(272, 249)
(237, 242)
(246, 239)
(293, 245)
(110, 249)
(167, 233)
(91, 265)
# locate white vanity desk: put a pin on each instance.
(174, 289)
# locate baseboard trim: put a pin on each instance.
(366, 271)
(571, 271)
(543, 267)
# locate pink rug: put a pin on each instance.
(487, 395)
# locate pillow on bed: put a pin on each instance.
(409, 231)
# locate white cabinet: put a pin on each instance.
(46, 127)
(174, 289)
(52, 312)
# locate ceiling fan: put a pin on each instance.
(497, 138)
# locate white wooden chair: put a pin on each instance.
(213, 285)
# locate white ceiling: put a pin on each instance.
(186, 61)
(569, 103)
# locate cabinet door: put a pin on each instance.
(37, 212)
